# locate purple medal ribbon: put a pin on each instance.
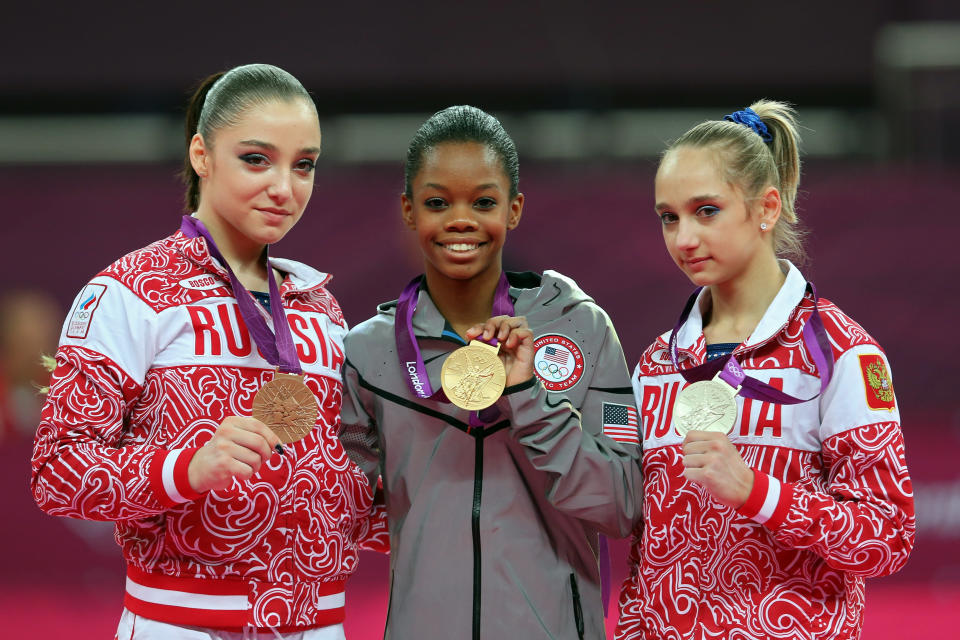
(407, 348)
(409, 351)
(276, 348)
(814, 336)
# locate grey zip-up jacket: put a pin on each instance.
(494, 530)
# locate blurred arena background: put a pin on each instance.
(91, 139)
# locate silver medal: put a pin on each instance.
(708, 405)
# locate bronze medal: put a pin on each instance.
(473, 376)
(287, 406)
(708, 405)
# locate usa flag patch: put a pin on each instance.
(620, 423)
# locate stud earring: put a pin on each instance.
(763, 226)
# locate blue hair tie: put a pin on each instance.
(749, 118)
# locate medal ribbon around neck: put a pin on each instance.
(730, 371)
(286, 405)
(276, 346)
(411, 360)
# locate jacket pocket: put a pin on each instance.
(577, 609)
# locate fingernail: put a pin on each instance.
(279, 449)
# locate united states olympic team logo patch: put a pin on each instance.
(557, 361)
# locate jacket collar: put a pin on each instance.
(299, 277)
(538, 297)
(774, 318)
(427, 319)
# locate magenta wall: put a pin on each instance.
(883, 246)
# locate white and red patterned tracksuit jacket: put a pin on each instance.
(153, 356)
(832, 501)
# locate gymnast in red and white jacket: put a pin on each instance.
(148, 421)
(768, 531)
(831, 502)
(153, 356)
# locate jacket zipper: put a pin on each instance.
(475, 522)
(743, 349)
(390, 601)
(577, 609)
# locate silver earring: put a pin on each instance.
(763, 226)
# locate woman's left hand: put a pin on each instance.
(711, 460)
(516, 344)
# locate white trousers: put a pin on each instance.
(134, 627)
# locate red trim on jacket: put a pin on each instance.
(230, 592)
(180, 477)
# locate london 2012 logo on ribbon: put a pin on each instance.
(557, 361)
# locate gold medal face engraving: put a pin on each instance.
(708, 405)
(287, 406)
(473, 376)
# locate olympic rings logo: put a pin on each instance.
(552, 370)
(558, 361)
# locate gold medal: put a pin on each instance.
(473, 376)
(708, 405)
(287, 406)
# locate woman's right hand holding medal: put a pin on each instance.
(515, 338)
(236, 450)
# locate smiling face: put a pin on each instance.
(461, 209)
(257, 177)
(711, 230)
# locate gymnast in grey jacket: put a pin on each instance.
(494, 516)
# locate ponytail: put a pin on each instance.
(781, 122)
(194, 107)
